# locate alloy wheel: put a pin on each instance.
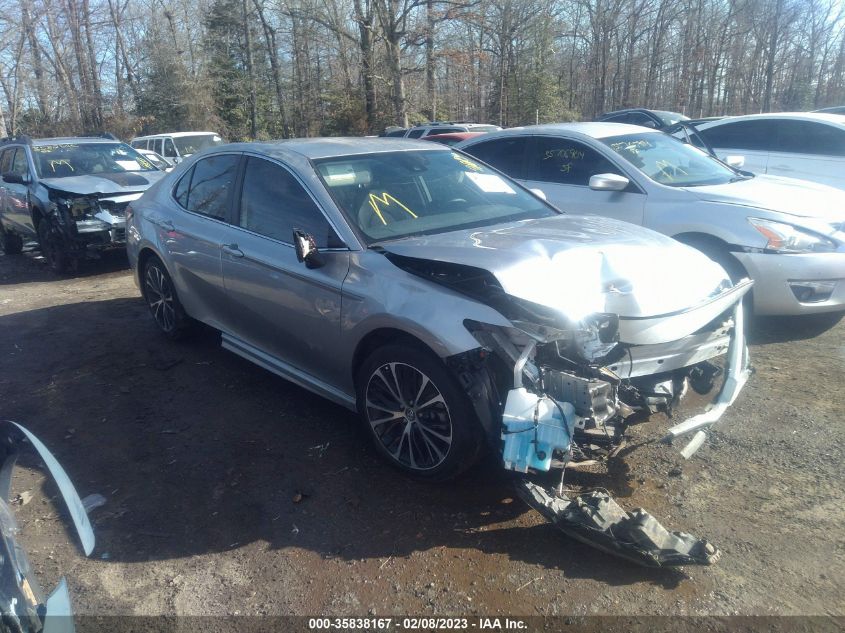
(409, 416)
(159, 294)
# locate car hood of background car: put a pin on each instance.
(105, 184)
(790, 196)
(582, 265)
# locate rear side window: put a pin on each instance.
(505, 154)
(444, 130)
(211, 183)
(415, 133)
(806, 137)
(566, 162)
(750, 135)
(273, 203)
(638, 118)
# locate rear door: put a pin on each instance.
(809, 150)
(281, 306)
(191, 235)
(752, 139)
(562, 167)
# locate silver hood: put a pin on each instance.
(582, 265)
(105, 184)
(790, 196)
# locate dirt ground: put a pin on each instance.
(201, 457)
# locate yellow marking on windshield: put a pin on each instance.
(466, 162)
(386, 200)
(63, 161)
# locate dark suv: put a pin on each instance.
(70, 194)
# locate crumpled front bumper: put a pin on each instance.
(737, 371)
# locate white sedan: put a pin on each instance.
(786, 234)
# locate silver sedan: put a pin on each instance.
(785, 234)
(446, 303)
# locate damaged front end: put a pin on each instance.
(88, 224)
(553, 390)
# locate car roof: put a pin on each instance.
(174, 134)
(460, 135)
(821, 117)
(67, 140)
(329, 147)
(594, 129)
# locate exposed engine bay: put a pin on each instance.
(551, 390)
(89, 223)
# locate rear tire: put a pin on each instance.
(162, 300)
(416, 413)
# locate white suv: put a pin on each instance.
(174, 146)
(806, 145)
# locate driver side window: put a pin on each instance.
(567, 162)
(273, 203)
(20, 165)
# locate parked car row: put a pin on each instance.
(460, 299)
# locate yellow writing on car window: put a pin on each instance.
(566, 168)
(62, 161)
(570, 152)
(385, 200)
(466, 162)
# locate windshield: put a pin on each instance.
(669, 161)
(86, 159)
(194, 143)
(398, 194)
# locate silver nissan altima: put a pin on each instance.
(450, 306)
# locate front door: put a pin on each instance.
(17, 195)
(281, 306)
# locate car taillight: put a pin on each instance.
(129, 213)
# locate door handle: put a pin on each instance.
(233, 250)
(783, 167)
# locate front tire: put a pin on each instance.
(416, 413)
(162, 300)
(52, 247)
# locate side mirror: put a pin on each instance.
(735, 161)
(15, 179)
(608, 182)
(539, 193)
(306, 249)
